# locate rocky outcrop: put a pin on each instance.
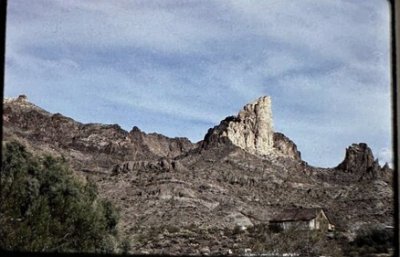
(217, 135)
(250, 130)
(286, 146)
(253, 131)
(360, 160)
(160, 144)
(161, 165)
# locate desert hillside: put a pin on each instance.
(210, 197)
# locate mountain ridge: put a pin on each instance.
(215, 183)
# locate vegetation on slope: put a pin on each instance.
(45, 208)
(371, 240)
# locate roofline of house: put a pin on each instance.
(275, 221)
(316, 209)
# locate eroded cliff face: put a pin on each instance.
(252, 130)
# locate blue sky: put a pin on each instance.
(179, 67)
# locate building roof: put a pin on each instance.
(298, 214)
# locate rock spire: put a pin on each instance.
(359, 158)
(253, 131)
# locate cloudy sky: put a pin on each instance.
(179, 67)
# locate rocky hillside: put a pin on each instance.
(89, 147)
(178, 197)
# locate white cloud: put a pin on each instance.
(333, 29)
(115, 24)
(325, 63)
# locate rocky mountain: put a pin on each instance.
(90, 147)
(178, 197)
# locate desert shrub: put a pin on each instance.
(125, 246)
(375, 237)
(370, 240)
(193, 227)
(237, 230)
(213, 230)
(276, 228)
(45, 208)
(293, 240)
(172, 229)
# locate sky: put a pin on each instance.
(180, 67)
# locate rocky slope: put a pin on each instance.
(178, 197)
(90, 147)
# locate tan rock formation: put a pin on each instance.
(253, 131)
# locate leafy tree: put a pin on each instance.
(45, 208)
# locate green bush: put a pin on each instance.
(265, 238)
(45, 208)
(369, 241)
(172, 229)
(375, 237)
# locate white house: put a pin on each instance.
(302, 218)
